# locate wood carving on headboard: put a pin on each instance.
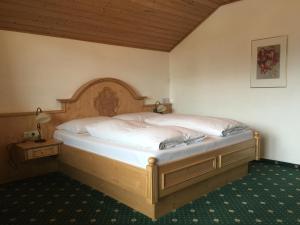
(107, 102)
(99, 97)
(104, 97)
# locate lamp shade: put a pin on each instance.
(43, 117)
(161, 108)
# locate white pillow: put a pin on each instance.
(78, 126)
(141, 116)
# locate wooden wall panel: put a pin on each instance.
(11, 131)
(148, 24)
(12, 125)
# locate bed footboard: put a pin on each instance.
(183, 173)
(172, 185)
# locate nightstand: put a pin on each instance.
(31, 150)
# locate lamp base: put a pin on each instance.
(40, 140)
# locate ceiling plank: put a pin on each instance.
(81, 29)
(56, 18)
(148, 24)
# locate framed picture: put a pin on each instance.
(268, 62)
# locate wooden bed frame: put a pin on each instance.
(156, 189)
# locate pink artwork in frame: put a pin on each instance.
(269, 62)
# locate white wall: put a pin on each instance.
(210, 72)
(35, 70)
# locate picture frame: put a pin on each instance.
(268, 62)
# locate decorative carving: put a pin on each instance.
(107, 102)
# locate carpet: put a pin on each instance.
(269, 194)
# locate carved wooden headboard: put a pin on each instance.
(103, 96)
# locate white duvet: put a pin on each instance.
(144, 136)
(208, 125)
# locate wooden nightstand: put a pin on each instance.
(32, 150)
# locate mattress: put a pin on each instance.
(139, 158)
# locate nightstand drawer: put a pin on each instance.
(42, 152)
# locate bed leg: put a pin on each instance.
(152, 180)
(257, 145)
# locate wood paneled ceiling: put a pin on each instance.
(148, 24)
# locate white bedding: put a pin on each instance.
(208, 125)
(79, 125)
(142, 135)
(138, 157)
(140, 116)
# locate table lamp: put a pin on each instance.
(41, 118)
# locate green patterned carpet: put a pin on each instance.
(270, 194)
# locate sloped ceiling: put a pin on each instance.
(147, 24)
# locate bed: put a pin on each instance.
(153, 183)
